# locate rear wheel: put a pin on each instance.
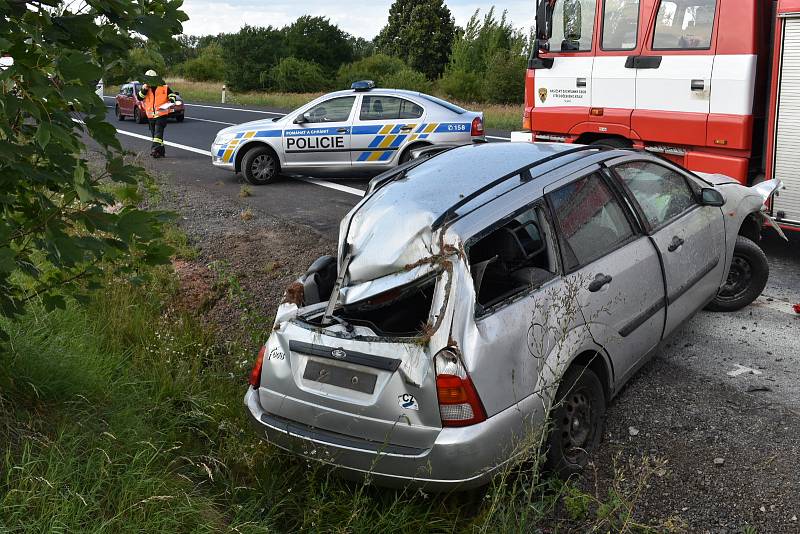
(747, 277)
(577, 419)
(406, 155)
(260, 166)
(118, 113)
(179, 117)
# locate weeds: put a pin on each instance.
(245, 192)
(246, 215)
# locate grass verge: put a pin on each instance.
(497, 116)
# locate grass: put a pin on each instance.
(497, 116)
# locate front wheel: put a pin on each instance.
(747, 277)
(260, 166)
(137, 116)
(577, 421)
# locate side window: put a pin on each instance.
(573, 25)
(592, 222)
(513, 257)
(334, 110)
(620, 24)
(662, 193)
(382, 108)
(684, 25)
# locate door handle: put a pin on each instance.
(581, 82)
(643, 62)
(599, 282)
(698, 85)
(406, 128)
(342, 130)
(677, 243)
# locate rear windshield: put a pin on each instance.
(444, 104)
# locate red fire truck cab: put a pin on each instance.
(711, 84)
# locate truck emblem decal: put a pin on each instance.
(339, 354)
(408, 402)
(543, 94)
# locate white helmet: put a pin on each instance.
(151, 72)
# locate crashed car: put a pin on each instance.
(488, 289)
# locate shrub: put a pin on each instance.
(294, 75)
(208, 66)
(407, 78)
(250, 52)
(376, 68)
(461, 85)
(504, 81)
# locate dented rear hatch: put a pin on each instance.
(370, 375)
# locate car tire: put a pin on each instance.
(747, 277)
(577, 419)
(612, 142)
(137, 116)
(118, 113)
(405, 157)
(260, 166)
(179, 117)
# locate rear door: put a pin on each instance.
(322, 140)
(615, 267)
(673, 73)
(690, 238)
(126, 101)
(383, 126)
(613, 74)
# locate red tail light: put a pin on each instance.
(477, 127)
(255, 374)
(459, 404)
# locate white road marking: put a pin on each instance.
(209, 120)
(498, 138)
(742, 370)
(321, 183)
(229, 109)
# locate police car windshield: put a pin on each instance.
(444, 104)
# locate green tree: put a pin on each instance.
(421, 33)
(248, 53)
(208, 65)
(361, 47)
(57, 229)
(139, 59)
(376, 68)
(316, 39)
(294, 75)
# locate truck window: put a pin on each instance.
(684, 25)
(620, 24)
(573, 25)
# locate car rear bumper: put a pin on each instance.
(460, 458)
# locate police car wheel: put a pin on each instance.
(260, 166)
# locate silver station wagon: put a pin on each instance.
(489, 289)
(361, 131)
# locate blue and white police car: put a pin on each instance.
(361, 131)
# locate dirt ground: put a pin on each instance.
(731, 458)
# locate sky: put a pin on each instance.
(361, 18)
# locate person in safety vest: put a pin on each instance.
(158, 104)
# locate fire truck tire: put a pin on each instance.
(260, 165)
(612, 142)
(118, 113)
(746, 280)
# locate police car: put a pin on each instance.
(363, 130)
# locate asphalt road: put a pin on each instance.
(764, 338)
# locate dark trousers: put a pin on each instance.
(157, 127)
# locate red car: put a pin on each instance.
(130, 105)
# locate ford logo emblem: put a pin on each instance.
(339, 354)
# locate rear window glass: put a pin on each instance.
(444, 103)
(382, 108)
(684, 25)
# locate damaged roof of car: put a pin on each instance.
(393, 227)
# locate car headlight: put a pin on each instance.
(224, 138)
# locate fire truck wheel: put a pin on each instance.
(746, 280)
(612, 142)
(260, 166)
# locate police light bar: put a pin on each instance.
(363, 85)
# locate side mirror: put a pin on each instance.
(301, 119)
(544, 20)
(711, 197)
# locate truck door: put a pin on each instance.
(563, 92)
(320, 136)
(613, 75)
(673, 73)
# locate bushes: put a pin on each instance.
(248, 53)
(408, 78)
(294, 75)
(375, 68)
(208, 66)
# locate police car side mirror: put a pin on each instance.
(305, 117)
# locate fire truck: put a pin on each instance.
(713, 85)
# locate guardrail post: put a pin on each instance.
(223, 94)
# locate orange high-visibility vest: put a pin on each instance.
(155, 98)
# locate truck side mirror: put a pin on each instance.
(544, 20)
